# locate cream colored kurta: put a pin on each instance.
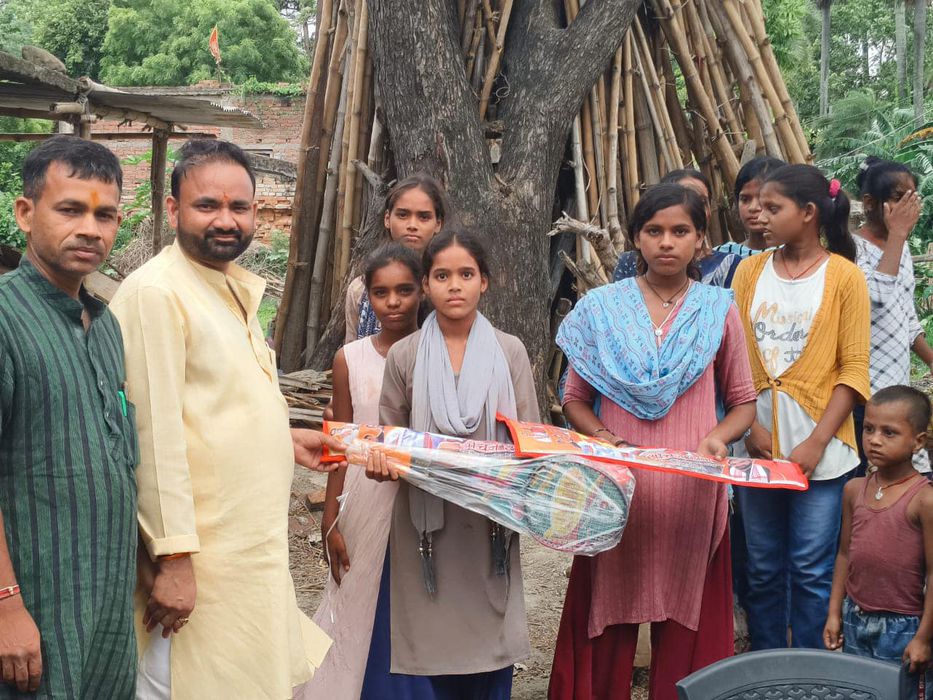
(215, 474)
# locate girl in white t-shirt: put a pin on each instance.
(806, 315)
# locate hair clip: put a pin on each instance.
(834, 187)
(864, 166)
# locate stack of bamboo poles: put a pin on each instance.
(694, 84)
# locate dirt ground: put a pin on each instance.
(545, 584)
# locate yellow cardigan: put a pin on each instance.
(836, 351)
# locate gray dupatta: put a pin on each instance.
(457, 405)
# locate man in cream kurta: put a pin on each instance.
(217, 456)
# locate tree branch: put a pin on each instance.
(550, 73)
(598, 237)
(430, 109)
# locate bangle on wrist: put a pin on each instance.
(602, 430)
(9, 592)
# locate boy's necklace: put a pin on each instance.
(879, 494)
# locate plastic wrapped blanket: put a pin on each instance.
(566, 502)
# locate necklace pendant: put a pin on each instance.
(665, 304)
(879, 494)
(658, 332)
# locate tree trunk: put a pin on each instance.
(551, 70)
(920, 35)
(825, 7)
(900, 48)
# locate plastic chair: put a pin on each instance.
(794, 674)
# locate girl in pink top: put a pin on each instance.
(356, 541)
(647, 356)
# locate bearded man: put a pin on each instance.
(216, 455)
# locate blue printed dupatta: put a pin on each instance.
(609, 340)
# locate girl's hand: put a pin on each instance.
(713, 447)
(901, 217)
(832, 632)
(378, 467)
(758, 443)
(808, 454)
(336, 553)
(917, 655)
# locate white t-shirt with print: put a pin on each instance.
(782, 315)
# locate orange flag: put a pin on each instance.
(214, 44)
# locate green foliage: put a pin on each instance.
(74, 31)
(251, 86)
(11, 166)
(17, 26)
(270, 259)
(141, 206)
(268, 308)
(166, 42)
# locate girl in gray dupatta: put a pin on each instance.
(450, 619)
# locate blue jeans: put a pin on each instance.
(791, 539)
(882, 636)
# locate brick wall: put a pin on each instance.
(279, 139)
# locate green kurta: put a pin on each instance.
(67, 485)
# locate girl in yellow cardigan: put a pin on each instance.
(806, 314)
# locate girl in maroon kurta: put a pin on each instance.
(649, 354)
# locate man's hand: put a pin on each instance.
(832, 632)
(336, 552)
(917, 655)
(20, 653)
(900, 217)
(758, 443)
(173, 594)
(309, 448)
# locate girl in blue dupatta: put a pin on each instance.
(651, 353)
(414, 214)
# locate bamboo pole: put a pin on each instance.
(675, 110)
(489, 20)
(303, 212)
(644, 135)
(751, 91)
(612, 172)
(469, 22)
(492, 70)
(678, 43)
(365, 131)
(356, 99)
(474, 48)
(656, 105)
(652, 110)
(579, 181)
(713, 67)
(344, 160)
(589, 159)
(628, 121)
(755, 13)
(781, 121)
(325, 233)
(599, 181)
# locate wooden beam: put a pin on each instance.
(157, 180)
(113, 136)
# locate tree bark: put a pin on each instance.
(920, 35)
(550, 71)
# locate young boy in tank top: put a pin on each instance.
(878, 608)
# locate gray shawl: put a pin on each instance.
(456, 405)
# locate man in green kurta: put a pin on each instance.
(67, 442)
